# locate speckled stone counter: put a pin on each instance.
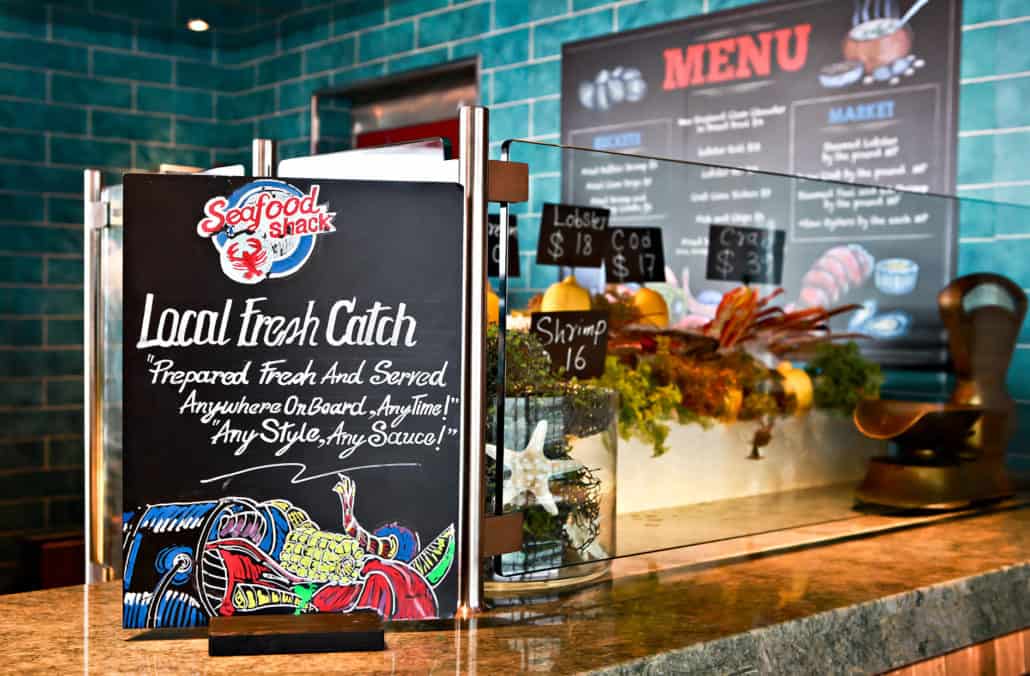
(858, 606)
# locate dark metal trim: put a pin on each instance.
(406, 84)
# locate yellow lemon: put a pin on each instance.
(798, 383)
(652, 308)
(732, 403)
(565, 296)
(493, 306)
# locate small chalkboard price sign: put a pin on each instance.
(573, 236)
(748, 255)
(493, 243)
(634, 255)
(292, 398)
(577, 342)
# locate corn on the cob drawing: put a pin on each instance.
(322, 556)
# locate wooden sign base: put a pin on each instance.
(285, 634)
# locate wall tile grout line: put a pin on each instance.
(996, 23)
(995, 78)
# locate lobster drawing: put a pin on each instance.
(251, 260)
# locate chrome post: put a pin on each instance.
(95, 218)
(472, 162)
(316, 126)
(263, 157)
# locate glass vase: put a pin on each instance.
(559, 471)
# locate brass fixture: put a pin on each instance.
(952, 454)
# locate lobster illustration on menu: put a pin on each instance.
(265, 229)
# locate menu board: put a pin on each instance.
(292, 359)
(837, 90)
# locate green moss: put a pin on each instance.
(645, 407)
(841, 378)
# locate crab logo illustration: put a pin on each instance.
(267, 228)
(252, 262)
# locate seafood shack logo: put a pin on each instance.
(265, 229)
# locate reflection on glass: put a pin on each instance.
(559, 468)
(784, 301)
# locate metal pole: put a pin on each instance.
(472, 161)
(263, 157)
(95, 497)
(316, 126)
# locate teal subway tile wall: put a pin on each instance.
(120, 84)
(77, 88)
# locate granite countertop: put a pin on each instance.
(858, 606)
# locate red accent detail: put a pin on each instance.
(244, 562)
(337, 598)
(736, 58)
(214, 210)
(447, 129)
(250, 260)
(390, 588)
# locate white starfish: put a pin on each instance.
(531, 471)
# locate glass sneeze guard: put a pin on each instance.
(626, 495)
(885, 253)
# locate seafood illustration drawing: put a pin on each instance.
(611, 87)
(878, 48)
(188, 561)
(839, 270)
(893, 324)
(896, 276)
(251, 260)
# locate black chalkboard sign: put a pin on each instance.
(748, 255)
(575, 236)
(576, 341)
(493, 243)
(292, 355)
(634, 255)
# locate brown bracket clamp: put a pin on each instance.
(507, 181)
(502, 534)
